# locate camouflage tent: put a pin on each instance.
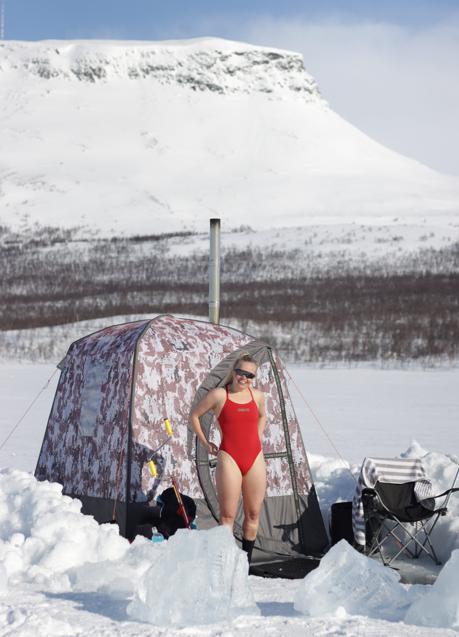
(115, 390)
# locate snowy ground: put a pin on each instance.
(45, 543)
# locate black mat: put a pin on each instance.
(295, 568)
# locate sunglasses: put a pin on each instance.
(242, 372)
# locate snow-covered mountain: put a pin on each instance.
(145, 138)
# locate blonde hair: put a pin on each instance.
(245, 357)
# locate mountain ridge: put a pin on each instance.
(202, 64)
(215, 128)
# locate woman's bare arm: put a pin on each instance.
(208, 403)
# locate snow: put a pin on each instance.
(43, 533)
(322, 243)
(63, 574)
(219, 589)
(202, 64)
(442, 474)
(376, 412)
(346, 579)
(146, 138)
(348, 583)
(440, 605)
(3, 579)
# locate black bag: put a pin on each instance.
(341, 523)
(171, 520)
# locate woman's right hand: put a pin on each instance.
(212, 448)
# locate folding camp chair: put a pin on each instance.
(394, 501)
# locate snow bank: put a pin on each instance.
(195, 577)
(202, 578)
(335, 481)
(439, 607)
(441, 469)
(44, 538)
(346, 579)
(43, 533)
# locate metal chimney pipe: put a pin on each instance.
(214, 272)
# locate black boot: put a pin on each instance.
(247, 546)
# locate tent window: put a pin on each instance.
(95, 375)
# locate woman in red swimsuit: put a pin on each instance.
(240, 411)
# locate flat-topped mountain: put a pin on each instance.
(145, 138)
(202, 65)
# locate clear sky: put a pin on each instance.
(389, 67)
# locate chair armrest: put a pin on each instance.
(440, 495)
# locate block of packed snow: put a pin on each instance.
(439, 607)
(442, 472)
(346, 579)
(201, 578)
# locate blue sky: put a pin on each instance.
(388, 67)
(151, 19)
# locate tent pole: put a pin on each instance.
(214, 272)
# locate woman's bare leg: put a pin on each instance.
(228, 481)
(253, 493)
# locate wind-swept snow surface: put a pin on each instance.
(145, 138)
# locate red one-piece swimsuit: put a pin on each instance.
(239, 426)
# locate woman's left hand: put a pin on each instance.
(212, 448)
